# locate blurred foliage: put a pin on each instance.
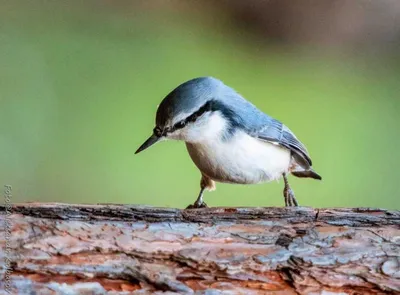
(80, 84)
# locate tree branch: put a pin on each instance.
(116, 249)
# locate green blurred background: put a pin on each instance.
(80, 83)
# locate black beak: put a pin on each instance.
(148, 143)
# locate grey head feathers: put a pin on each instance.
(193, 98)
(187, 98)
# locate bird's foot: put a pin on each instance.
(290, 199)
(197, 205)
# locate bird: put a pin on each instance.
(229, 139)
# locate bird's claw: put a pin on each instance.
(197, 205)
(290, 199)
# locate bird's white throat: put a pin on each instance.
(209, 127)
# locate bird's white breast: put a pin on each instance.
(239, 159)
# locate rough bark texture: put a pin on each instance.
(115, 249)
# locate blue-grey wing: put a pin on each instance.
(275, 131)
(245, 115)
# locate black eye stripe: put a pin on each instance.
(193, 117)
(209, 106)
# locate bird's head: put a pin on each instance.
(190, 113)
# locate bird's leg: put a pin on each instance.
(288, 194)
(205, 183)
(199, 203)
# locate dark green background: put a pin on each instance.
(80, 84)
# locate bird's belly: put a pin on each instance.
(241, 159)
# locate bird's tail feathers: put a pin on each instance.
(307, 174)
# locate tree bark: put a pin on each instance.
(121, 249)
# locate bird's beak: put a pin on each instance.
(148, 143)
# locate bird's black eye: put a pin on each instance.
(180, 124)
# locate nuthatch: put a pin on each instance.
(228, 138)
